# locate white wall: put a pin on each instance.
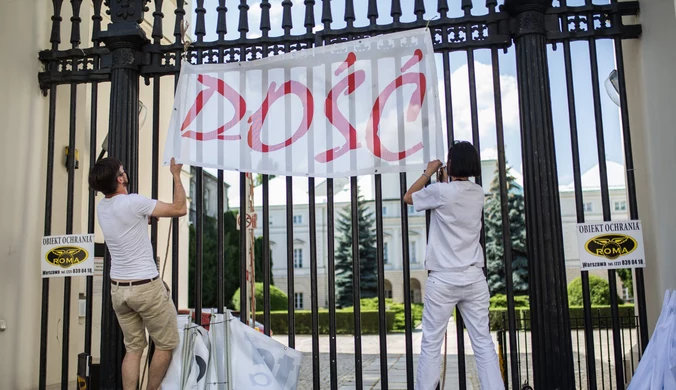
(651, 86)
(25, 30)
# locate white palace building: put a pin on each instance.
(394, 275)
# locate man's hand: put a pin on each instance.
(175, 168)
(178, 207)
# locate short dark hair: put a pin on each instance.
(463, 160)
(103, 175)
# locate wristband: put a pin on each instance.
(428, 178)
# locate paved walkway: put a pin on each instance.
(396, 360)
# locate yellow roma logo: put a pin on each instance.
(611, 246)
(66, 256)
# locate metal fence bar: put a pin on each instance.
(267, 272)
(408, 321)
(605, 201)
(382, 319)
(49, 191)
(356, 281)
(330, 224)
(179, 13)
(639, 283)
(579, 207)
(504, 207)
(314, 302)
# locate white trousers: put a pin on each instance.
(472, 301)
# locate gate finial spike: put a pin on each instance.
(349, 13)
(442, 7)
(96, 22)
(200, 26)
(372, 11)
(55, 37)
(419, 10)
(287, 24)
(265, 17)
(327, 17)
(178, 26)
(309, 15)
(157, 22)
(395, 10)
(221, 28)
(243, 27)
(75, 24)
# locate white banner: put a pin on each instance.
(361, 107)
(610, 245)
(230, 355)
(69, 255)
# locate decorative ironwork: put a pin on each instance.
(449, 34)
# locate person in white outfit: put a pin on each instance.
(454, 261)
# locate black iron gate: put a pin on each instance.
(526, 30)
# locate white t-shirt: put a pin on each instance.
(124, 221)
(455, 227)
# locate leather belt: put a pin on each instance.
(134, 283)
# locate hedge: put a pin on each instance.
(600, 317)
(344, 321)
(398, 309)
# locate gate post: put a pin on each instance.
(550, 319)
(124, 38)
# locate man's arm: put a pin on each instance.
(178, 207)
(419, 184)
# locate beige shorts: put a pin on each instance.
(147, 306)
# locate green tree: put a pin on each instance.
(210, 260)
(494, 244)
(278, 299)
(258, 180)
(627, 279)
(367, 255)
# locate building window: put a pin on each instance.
(588, 207)
(412, 252)
(411, 210)
(298, 258)
(298, 300)
(207, 201)
(621, 206)
(388, 294)
(297, 219)
(386, 249)
(384, 211)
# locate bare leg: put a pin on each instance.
(158, 368)
(130, 370)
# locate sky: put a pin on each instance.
(580, 54)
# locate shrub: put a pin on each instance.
(344, 322)
(278, 299)
(499, 301)
(598, 290)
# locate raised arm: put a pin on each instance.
(432, 168)
(178, 207)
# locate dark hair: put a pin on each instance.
(463, 160)
(103, 175)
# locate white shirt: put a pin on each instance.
(453, 246)
(124, 221)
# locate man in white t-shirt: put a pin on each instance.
(139, 297)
